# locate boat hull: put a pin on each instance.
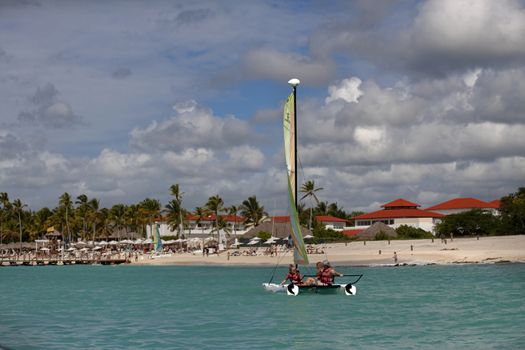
(295, 290)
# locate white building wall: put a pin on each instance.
(204, 231)
(427, 224)
(336, 225)
(450, 211)
(493, 211)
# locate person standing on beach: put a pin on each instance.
(395, 258)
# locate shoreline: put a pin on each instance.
(486, 250)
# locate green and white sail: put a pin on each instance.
(300, 255)
(157, 241)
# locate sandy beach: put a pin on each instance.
(460, 250)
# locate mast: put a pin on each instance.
(295, 140)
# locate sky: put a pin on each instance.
(118, 100)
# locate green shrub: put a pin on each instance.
(410, 232)
(469, 223)
(263, 235)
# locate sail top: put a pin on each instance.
(300, 255)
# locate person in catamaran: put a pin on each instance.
(294, 275)
(326, 273)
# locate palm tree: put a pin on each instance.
(132, 217)
(215, 205)
(94, 205)
(175, 191)
(233, 210)
(82, 203)
(308, 188)
(252, 211)
(18, 208)
(334, 210)
(174, 216)
(200, 212)
(4, 212)
(149, 209)
(105, 222)
(66, 204)
(41, 218)
(117, 215)
(4, 215)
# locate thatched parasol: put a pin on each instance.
(53, 234)
(370, 233)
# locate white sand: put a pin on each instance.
(460, 250)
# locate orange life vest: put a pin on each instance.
(326, 276)
(295, 277)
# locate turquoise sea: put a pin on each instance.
(188, 307)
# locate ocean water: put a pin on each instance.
(189, 307)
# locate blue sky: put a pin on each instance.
(120, 99)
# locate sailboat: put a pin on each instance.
(157, 243)
(300, 255)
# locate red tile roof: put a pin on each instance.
(399, 213)
(400, 203)
(353, 232)
(461, 203)
(328, 218)
(280, 218)
(496, 204)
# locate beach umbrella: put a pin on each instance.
(147, 241)
(71, 249)
(97, 248)
(113, 242)
(308, 237)
(138, 241)
(44, 249)
(270, 241)
(256, 239)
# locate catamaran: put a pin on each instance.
(157, 243)
(300, 254)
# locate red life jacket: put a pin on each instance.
(295, 277)
(326, 276)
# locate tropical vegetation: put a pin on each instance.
(83, 217)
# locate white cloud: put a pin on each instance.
(246, 158)
(347, 90)
(192, 126)
(473, 27)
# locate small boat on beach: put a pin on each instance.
(157, 242)
(300, 254)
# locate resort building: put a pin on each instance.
(460, 205)
(396, 213)
(202, 227)
(331, 222)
